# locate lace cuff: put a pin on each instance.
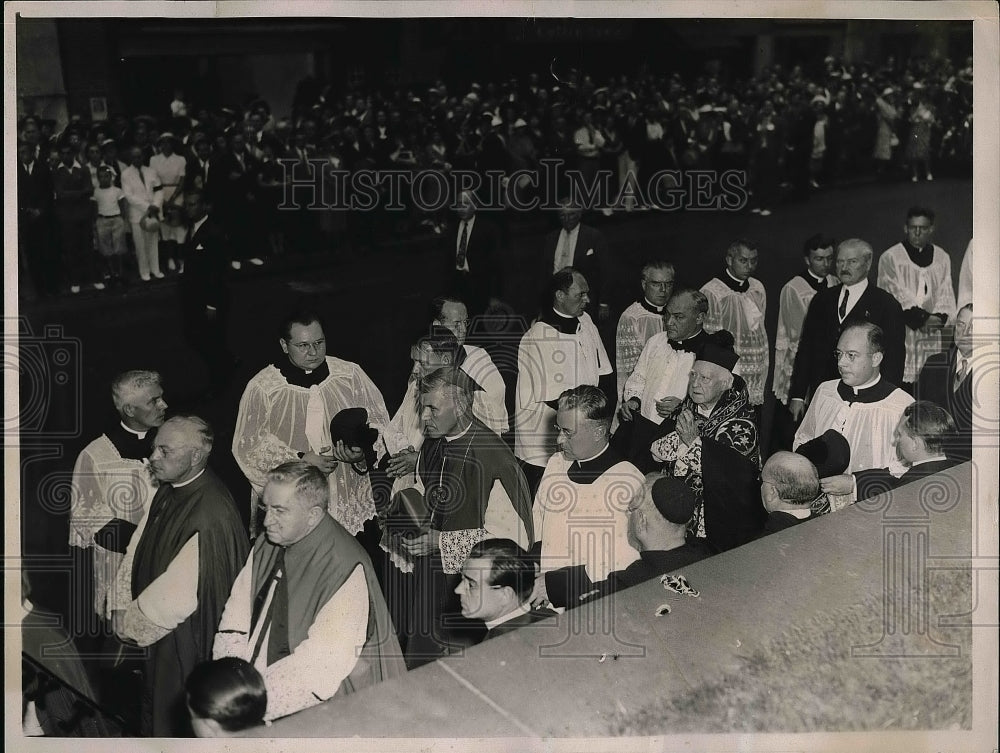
(140, 628)
(268, 453)
(456, 545)
(666, 448)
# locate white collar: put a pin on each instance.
(140, 434)
(817, 279)
(928, 460)
(857, 288)
(737, 279)
(460, 434)
(185, 483)
(659, 309)
(866, 385)
(587, 460)
(76, 163)
(521, 609)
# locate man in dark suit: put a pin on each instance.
(34, 213)
(232, 177)
(204, 294)
(854, 301)
(581, 247)
(946, 379)
(472, 257)
(920, 439)
(497, 578)
(790, 491)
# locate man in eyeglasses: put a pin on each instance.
(285, 414)
(861, 405)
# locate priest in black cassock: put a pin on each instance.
(180, 567)
(474, 490)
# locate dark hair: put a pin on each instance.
(930, 422)
(303, 316)
(589, 399)
(561, 280)
(436, 308)
(920, 212)
(510, 565)
(228, 690)
(740, 244)
(876, 338)
(819, 240)
(442, 342)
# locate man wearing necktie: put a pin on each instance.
(831, 311)
(659, 381)
(578, 246)
(178, 570)
(474, 272)
(306, 609)
(947, 379)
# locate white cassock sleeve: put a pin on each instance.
(167, 601)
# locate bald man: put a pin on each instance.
(178, 571)
(790, 491)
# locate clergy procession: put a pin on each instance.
(370, 545)
(679, 304)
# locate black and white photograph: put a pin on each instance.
(506, 375)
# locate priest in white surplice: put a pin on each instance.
(285, 414)
(918, 275)
(112, 484)
(561, 350)
(737, 302)
(793, 304)
(860, 405)
(642, 319)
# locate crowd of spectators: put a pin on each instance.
(792, 130)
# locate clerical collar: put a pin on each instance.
(460, 434)
(566, 325)
(690, 344)
(816, 283)
(740, 286)
(922, 257)
(195, 477)
(589, 470)
(139, 434)
(521, 609)
(302, 378)
(934, 459)
(644, 302)
(870, 392)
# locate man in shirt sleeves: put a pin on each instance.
(178, 571)
(112, 486)
(831, 311)
(737, 303)
(792, 306)
(306, 609)
(580, 509)
(918, 274)
(561, 350)
(473, 491)
(659, 381)
(861, 405)
(642, 319)
(285, 414)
